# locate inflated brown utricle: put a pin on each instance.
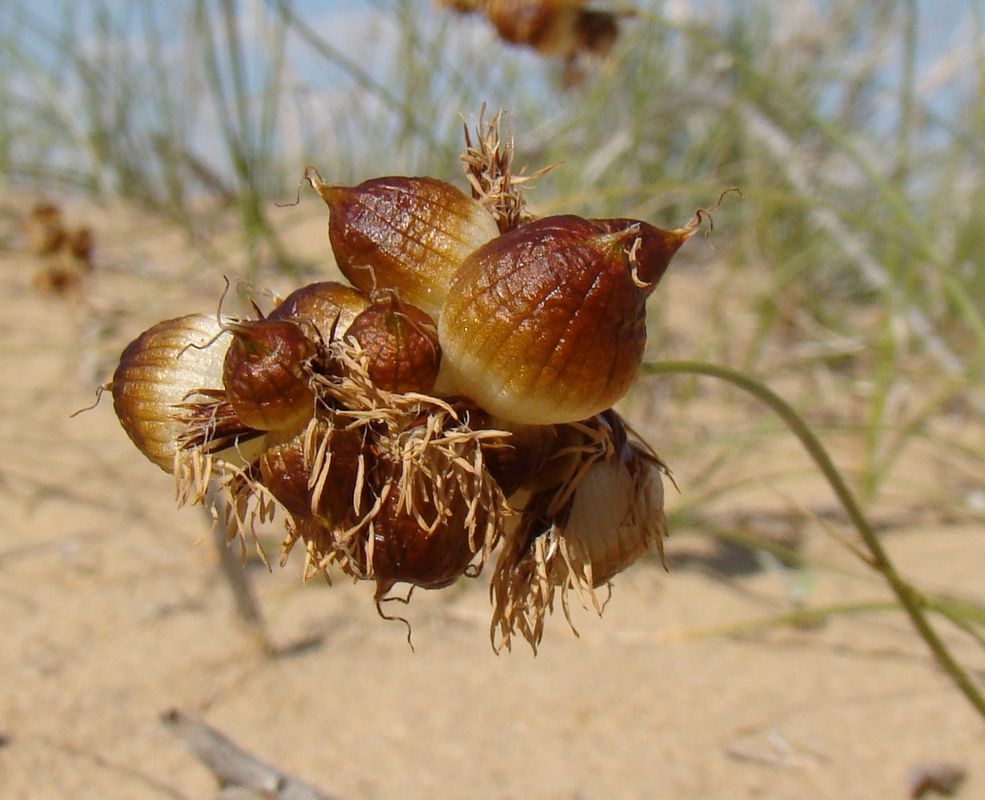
(400, 342)
(166, 366)
(327, 497)
(266, 374)
(546, 323)
(404, 234)
(325, 310)
(404, 551)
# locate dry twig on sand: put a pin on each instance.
(241, 775)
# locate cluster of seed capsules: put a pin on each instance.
(454, 399)
(570, 29)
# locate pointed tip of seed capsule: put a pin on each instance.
(261, 336)
(252, 339)
(618, 235)
(648, 248)
(326, 190)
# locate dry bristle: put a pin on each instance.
(422, 450)
(210, 423)
(415, 449)
(240, 500)
(488, 168)
(539, 558)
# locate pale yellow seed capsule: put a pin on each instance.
(168, 365)
(617, 513)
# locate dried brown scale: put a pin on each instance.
(400, 343)
(326, 550)
(245, 505)
(545, 324)
(266, 374)
(404, 234)
(211, 423)
(324, 310)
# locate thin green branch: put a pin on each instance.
(913, 602)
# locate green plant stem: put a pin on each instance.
(912, 601)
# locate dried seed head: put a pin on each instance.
(401, 345)
(324, 310)
(488, 165)
(546, 323)
(553, 27)
(44, 229)
(266, 374)
(175, 363)
(404, 234)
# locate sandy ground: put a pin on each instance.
(113, 611)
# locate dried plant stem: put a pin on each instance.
(914, 603)
(240, 773)
(232, 567)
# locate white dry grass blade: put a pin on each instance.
(870, 269)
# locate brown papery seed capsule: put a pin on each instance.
(401, 344)
(404, 234)
(404, 551)
(315, 488)
(547, 323)
(324, 310)
(266, 376)
(554, 27)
